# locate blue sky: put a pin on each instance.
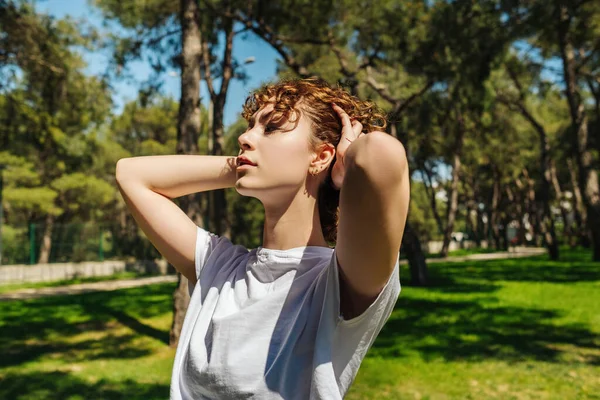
(261, 70)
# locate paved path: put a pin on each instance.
(85, 288)
(129, 283)
(518, 253)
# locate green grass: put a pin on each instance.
(38, 285)
(108, 345)
(506, 329)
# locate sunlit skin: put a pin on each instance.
(282, 178)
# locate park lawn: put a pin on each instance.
(507, 329)
(107, 345)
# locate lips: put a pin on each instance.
(244, 161)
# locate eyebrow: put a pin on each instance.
(264, 117)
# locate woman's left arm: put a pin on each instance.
(374, 199)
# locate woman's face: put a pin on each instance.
(282, 154)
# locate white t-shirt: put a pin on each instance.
(266, 324)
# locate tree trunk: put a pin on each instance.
(188, 131)
(568, 232)
(410, 241)
(588, 175)
(588, 179)
(505, 241)
(219, 221)
(453, 198)
(416, 259)
(494, 212)
(430, 190)
(512, 213)
(521, 240)
(181, 300)
(46, 246)
(532, 210)
(547, 220)
(479, 227)
(469, 219)
(580, 212)
(452, 206)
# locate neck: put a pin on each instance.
(294, 223)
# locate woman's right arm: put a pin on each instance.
(149, 183)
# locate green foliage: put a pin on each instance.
(442, 69)
(421, 214)
(83, 194)
(147, 126)
(53, 104)
(15, 250)
(29, 201)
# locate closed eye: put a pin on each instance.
(270, 128)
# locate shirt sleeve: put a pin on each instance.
(382, 306)
(206, 242)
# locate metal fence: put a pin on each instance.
(75, 242)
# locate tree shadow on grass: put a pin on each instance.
(458, 317)
(62, 385)
(134, 324)
(531, 269)
(30, 329)
(107, 347)
(471, 330)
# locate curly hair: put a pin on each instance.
(314, 98)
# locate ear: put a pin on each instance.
(323, 156)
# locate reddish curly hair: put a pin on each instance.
(314, 97)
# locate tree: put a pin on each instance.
(568, 32)
(52, 106)
(517, 102)
(569, 40)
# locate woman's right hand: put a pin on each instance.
(351, 130)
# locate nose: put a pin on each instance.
(245, 141)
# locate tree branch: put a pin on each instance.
(227, 62)
(207, 63)
(161, 37)
(428, 184)
(262, 30)
(399, 109)
(520, 103)
(344, 69)
(398, 104)
(369, 61)
(380, 88)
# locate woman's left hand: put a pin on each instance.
(351, 130)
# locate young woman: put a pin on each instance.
(293, 318)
